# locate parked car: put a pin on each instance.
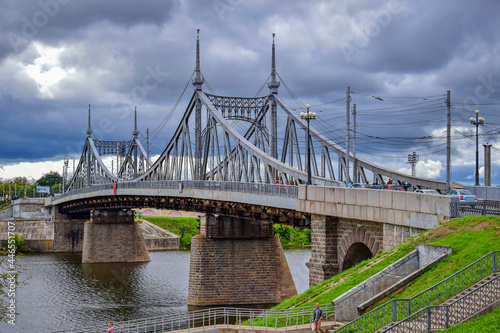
(360, 185)
(464, 196)
(427, 191)
(392, 187)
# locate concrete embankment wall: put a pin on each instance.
(485, 192)
(363, 296)
(38, 234)
(47, 236)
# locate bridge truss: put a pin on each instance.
(234, 139)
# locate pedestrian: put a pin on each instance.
(318, 314)
(111, 329)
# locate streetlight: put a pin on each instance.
(478, 121)
(308, 116)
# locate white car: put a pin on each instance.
(427, 191)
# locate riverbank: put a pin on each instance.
(39, 235)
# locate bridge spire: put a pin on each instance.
(198, 79)
(273, 85)
(135, 132)
(89, 129)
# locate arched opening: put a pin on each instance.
(356, 253)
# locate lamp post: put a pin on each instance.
(478, 121)
(308, 116)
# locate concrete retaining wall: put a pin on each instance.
(485, 192)
(30, 208)
(388, 280)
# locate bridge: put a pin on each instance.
(223, 159)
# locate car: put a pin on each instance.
(392, 187)
(464, 196)
(359, 185)
(427, 191)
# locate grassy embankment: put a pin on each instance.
(470, 239)
(184, 227)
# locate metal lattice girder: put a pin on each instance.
(90, 170)
(135, 163)
(119, 148)
(238, 108)
(247, 148)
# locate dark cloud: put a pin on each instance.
(106, 51)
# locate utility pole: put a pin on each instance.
(448, 140)
(347, 135)
(354, 161)
(487, 164)
(147, 145)
(412, 160)
(65, 173)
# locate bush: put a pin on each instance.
(21, 246)
(292, 237)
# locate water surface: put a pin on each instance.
(63, 293)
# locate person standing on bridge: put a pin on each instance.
(318, 314)
(111, 329)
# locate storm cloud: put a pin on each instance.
(59, 56)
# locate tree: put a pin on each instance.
(49, 179)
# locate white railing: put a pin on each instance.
(215, 318)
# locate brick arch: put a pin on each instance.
(358, 235)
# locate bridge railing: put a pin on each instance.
(399, 309)
(215, 318)
(484, 207)
(280, 190)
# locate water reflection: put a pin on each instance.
(63, 292)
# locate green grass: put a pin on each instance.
(291, 237)
(470, 238)
(485, 324)
(324, 293)
(184, 227)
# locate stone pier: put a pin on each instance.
(237, 261)
(113, 236)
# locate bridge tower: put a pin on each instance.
(198, 83)
(135, 133)
(89, 158)
(273, 117)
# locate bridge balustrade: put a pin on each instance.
(287, 191)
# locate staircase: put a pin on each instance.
(457, 309)
(448, 303)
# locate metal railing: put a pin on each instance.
(398, 309)
(214, 318)
(440, 317)
(486, 207)
(281, 190)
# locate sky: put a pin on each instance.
(398, 57)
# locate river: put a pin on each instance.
(63, 293)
